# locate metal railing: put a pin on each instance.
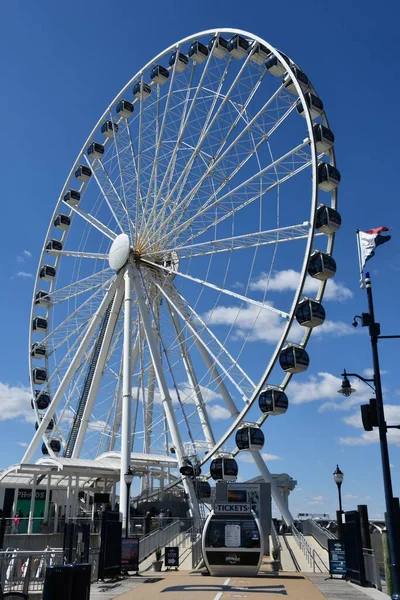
(197, 554)
(312, 556)
(276, 544)
(322, 536)
(371, 568)
(22, 571)
(158, 539)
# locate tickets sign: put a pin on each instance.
(227, 508)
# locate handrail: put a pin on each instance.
(276, 544)
(310, 527)
(309, 552)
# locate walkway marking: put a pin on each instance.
(219, 595)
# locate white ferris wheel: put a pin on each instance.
(212, 170)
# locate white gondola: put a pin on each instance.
(39, 376)
(109, 128)
(125, 109)
(301, 78)
(274, 66)
(259, 53)
(273, 402)
(180, 61)
(54, 246)
(142, 91)
(47, 272)
(249, 437)
(324, 138)
(39, 324)
(238, 46)
(294, 359)
(198, 52)
(224, 468)
(42, 400)
(321, 266)
(218, 46)
(62, 222)
(314, 104)
(310, 313)
(328, 177)
(38, 350)
(55, 445)
(83, 173)
(42, 298)
(159, 74)
(72, 197)
(188, 470)
(328, 219)
(50, 425)
(95, 151)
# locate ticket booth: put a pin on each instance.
(232, 541)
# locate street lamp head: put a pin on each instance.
(338, 476)
(346, 388)
(128, 476)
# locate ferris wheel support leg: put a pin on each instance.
(126, 427)
(280, 502)
(101, 361)
(163, 387)
(193, 381)
(71, 371)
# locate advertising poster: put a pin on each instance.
(130, 554)
(172, 556)
(232, 535)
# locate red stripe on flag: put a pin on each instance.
(377, 230)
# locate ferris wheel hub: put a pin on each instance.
(119, 252)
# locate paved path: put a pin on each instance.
(321, 551)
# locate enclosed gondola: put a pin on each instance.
(62, 222)
(95, 151)
(39, 324)
(53, 246)
(310, 313)
(321, 266)
(273, 401)
(42, 298)
(180, 61)
(328, 177)
(328, 220)
(72, 197)
(314, 104)
(259, 53)
(203, 488)
(294, 359)
(42, 400)
(224, 468)
(187, 470)
(238, 46)
(109, 128)
(55, 445)
(218, 46)
(39, 376)
(50, 425)
(124, 109)
(83, 173)
(324, 138)
(38, 350)
(141, 90)
(47, 272)
(198, 52)
(274, 66)
(159, 74)
(249, 437)
(301, 78)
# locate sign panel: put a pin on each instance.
(130, 554)
(172, 556)
(232, 509)
(232, 536)
(337, 557)
(27, 494)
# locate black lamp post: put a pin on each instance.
(338, 479)
(128, 478)
(373, 415)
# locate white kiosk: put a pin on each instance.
(232, 541)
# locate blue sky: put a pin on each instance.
(64, 63)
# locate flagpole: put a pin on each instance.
(362, 282)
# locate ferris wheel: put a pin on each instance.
(157, 326)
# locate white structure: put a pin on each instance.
(156, 268)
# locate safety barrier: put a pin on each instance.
(24, 571)
(312, 556)
(371, 568)
(310, 527)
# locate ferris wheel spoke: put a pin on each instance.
(94, 222)
(71, 253)
(122, 181)
(77, 288)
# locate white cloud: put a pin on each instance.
(324, 386)
(27, 254)
(370, 373)
(287, 280)
(392, 415)
(217, 412)
(350, 497)
(23, 444)
(186, 394)
(316, 500)
(246, 457)
(15, 402)
(24, 274)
